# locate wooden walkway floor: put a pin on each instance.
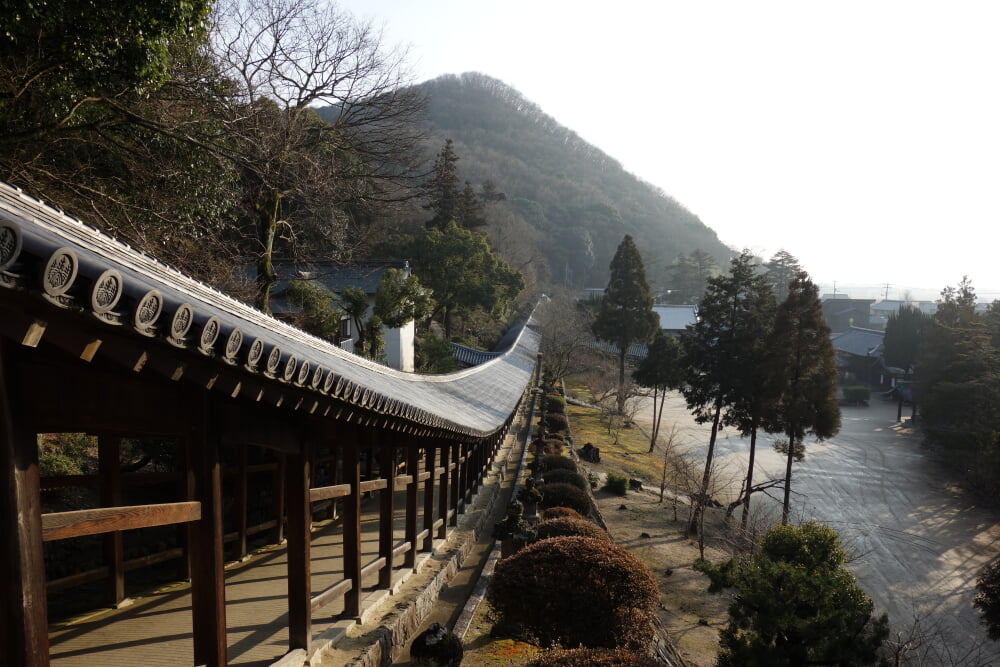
(156, 630)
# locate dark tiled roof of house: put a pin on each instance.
(57, 262)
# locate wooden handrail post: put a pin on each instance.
(299, 550)
(412, 491)
(24, 631)
(386, 536)
(109, 466)
(208, 589)
(352, 524)
(429, 498)
(241, 502)
(456, 480)
(444, 494)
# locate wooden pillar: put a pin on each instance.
(241, 502)
(387, 508)
(186, 492)
(109, 468)
(352, 524)
(279, 498)
(429, 498)
(456, 480)
(445, 493)
(208, 590)
(299, 520)
(412, 491)
(468, 453)
(24, 631)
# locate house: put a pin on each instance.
(842, 312)
(859, 356)
(675, 319)
(399, 343)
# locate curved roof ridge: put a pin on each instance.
(473, 401)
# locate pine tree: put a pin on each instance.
(661, 370)
(626, 315)
(442, 189)
(903, 333)
(781, 270)
(802, 373)
(796, 604)
(718, 349)
(752, 397)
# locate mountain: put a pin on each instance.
(568, 199)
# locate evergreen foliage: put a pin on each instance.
(781, 270)
(958, 374)
(988, 597)
(802, 373)
(566, 477)
(626, 313)
(662, 370)
(318, 315)
(723, 352)
(796, 604)
(576, 200)
(576, 591)
(903, 334)
(688, 276)
(569, 527)
(561, 494)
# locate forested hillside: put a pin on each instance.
(577, 202)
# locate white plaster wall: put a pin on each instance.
(399, 346)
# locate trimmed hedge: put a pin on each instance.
(560, 512)
(576, 591)
(565, 495)
(556, 462)
(857, 394)
(553, 446)
(616, 483)
(592, 657)
(569, 527)
(560, 476)
(555, 404)
(556, 422)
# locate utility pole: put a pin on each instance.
(887, 286)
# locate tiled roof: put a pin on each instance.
(62, 263)
(859, 342)
(676, 318)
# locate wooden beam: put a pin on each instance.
(299, 560)
(329, 492)
(24, 633)
(63, 525)
(332, 593)
(208, 590)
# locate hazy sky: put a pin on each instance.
(863, 137)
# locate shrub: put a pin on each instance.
(560, 476)
(555, 404)
(616, 483)
(556, 436)
(592, 657)
(568, 527)
(857, 394)
(576, 591)
(553, 446)
(560, 512)
(556, 462)
(565, 495)
(556, 422)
